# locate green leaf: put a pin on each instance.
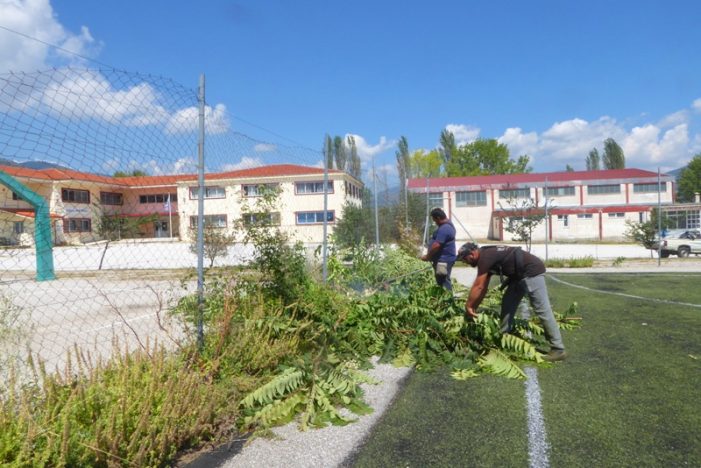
(499, 363)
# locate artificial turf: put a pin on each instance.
(626, 396)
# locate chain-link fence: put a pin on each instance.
(100, 198)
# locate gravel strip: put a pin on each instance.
(331, 445)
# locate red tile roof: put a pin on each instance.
(553, 178)
(275, 170)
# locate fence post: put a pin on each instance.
(200, 218)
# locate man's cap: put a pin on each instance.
(465, 250)
(438, 213)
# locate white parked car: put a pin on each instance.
(680, 242)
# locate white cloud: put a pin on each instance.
(187, 120)
(35, 18)
(647, 146)
(245, 163)
(519, 142)
(697, 105)
(88, 94)
(674, 119)
(366, 151)
(184, 165)
(463, 133)
(571, 140)
(264, 148)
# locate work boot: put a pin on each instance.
(555, 354)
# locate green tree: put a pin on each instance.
(645, 233)
(425, 164)
(485, 157)
(279, 260)
(613, 155)
(448, 146)
(593, 160)
(690, 180)
(216, 242)
(569, 168)
(340, 153)
(328, 151)
(525, 216)
(403, 167)
(355, 166)
(357, 223)
(132, 173)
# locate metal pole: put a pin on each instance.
(377, 222)
(659, 218)
(547, 218)
(200, 219)
(428, 210)
(170, 218)
(406, 200)
(324, 266)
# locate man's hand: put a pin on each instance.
(470, 312)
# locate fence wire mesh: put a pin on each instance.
(113, 156)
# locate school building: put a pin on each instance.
(580, 205)
(83, 206)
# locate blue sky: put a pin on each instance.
(551, 79)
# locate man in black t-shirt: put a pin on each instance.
(525, 275)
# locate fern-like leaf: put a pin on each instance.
(289, 380)
(277, 412)
(463, 374)
(499, 363)
(405, 359)
(520, 347)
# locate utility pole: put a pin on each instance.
(377, 222)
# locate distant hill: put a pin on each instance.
(388, 197)
(38, 165)
(676, 172)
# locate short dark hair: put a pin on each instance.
(438, 213)
(465, 250)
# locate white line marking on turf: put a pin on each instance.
(538, 446)
(665, 301)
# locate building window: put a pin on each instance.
(684, 219)
(217, 221)
(314, 217)
(111, 198)
(75, 196)
(77, 225)
(257, 190)
(649, 188)
(559, 191)
(515, 193)
(265, 219)
(353, 190)
(471, 198)
(15, 196)
(19, 227)
(209, 192)
(617, 215)
(564, 219)
(584, 216)
(435, 200)
(313, 187)
(603, 189)
(158, 198)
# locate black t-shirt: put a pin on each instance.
(501, 260)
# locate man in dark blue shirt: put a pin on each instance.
(441, 251)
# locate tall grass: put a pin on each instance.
(579, 262)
